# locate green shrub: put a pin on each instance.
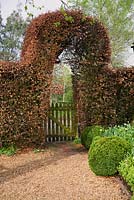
(77, 140)
(93, 132)
(132, 198)
(89, 133)
(8, 150)
(105, 154)
(84, 135)
(126, 170)
(125, 131)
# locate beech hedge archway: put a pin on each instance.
(102, 95)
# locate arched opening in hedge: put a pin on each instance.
(99, 91)
(61, 87)
(84, 38)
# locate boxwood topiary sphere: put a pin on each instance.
(105, 154)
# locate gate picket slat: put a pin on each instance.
(64, 116)
(68, 117)
(61, 129)
(53, 123)
(56, 115)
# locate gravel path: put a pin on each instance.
(61, 172)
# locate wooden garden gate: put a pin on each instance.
(61, 123)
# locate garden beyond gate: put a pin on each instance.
(61, 123)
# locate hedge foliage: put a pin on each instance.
(105, 154)
(103, 95)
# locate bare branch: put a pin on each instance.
(64, 4)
